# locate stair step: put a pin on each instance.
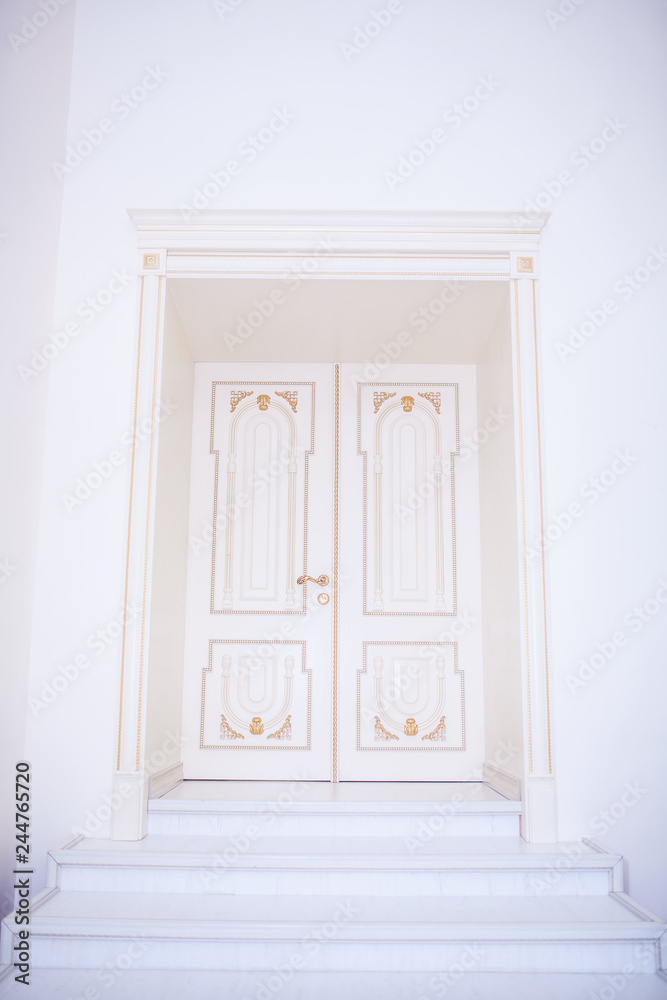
(307, 883)
(71, 984)
(320, 808)
(335, 865)
(263, 932)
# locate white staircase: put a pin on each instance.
(350, 878)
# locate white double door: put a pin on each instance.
(333, 593)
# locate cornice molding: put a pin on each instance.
(358, 232)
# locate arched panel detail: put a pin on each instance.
(409, 536)
(261, 449)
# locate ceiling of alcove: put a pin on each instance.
(336, 320)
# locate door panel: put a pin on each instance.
(261, 442)
(398, 631)
(407, 443)
(258, 644)
(411, 655)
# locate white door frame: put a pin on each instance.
(361, 245)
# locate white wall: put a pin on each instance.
(353, 120)
(34, 93)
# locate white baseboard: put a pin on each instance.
(163, 781)
(501, 781)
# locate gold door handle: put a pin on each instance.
(322, 580)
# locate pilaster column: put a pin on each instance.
(130, 782)
(539, 816)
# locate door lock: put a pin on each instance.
(322, 580)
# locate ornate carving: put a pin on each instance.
(236, 396)
(408, 403)
(439, 733)
(263, 401)
(382, 735)
(290, 397)
(257, 726)
(379, 398)
(433, 397)
(226, 731)
(285, 731)
(410, 728)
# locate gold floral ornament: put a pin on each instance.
(226, 731)
(408, 403)
(290, 397)
(236, 396)
(263, 401)
(410, 728)
(257, 726)
(285, 731)
(379, 398)
(433, 397)
(382, 735)
(439, 733)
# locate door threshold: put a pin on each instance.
(226, 790)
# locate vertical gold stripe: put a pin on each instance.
(334, 741)
(149, 510)
(129, 522)
(544, 572)
(523, 527)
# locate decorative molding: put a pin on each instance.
(152, 262)
(257, 726)
(523, 265)
(336, 581)
(439, 733)
(290, 232)
(235, 397)
(285, 731)
(129, 820)
(378, 245)
(290, 397)
(226, 731)
(377, 668)
(382, 735)
(163, 781)
(379, 398)
(372, 514)
(225, 601)
(434, 398)
(501, 781)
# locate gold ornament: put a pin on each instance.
(439, 733)
(382, 735)
(226, 731)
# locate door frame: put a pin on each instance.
(333, 245)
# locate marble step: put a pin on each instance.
(382, 866)
(123, 984)
(265, 933)
(422, 810)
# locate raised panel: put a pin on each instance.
(410, 696)
(406, 525)
(256, 696)
(261, 436)
(408, 439)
